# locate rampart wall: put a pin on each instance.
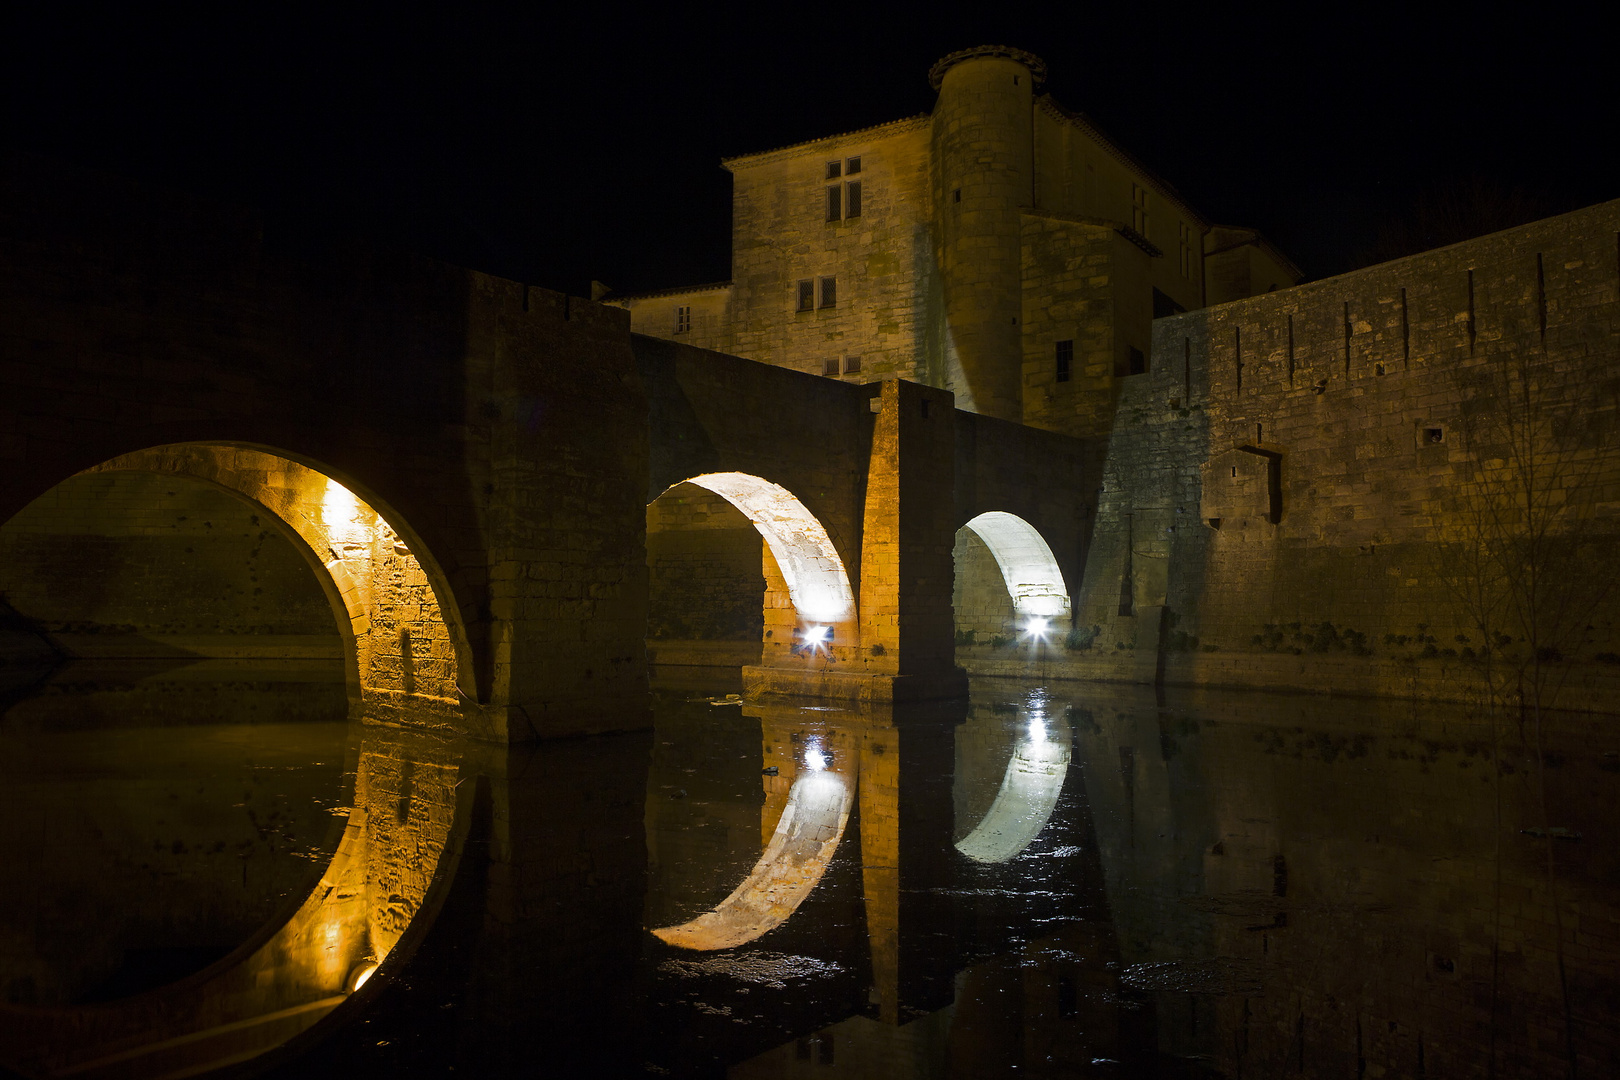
(1403, 480)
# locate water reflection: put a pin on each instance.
(1029, 788)
(810, 823)
(1042, 880)
(88, 798)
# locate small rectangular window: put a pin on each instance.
(835, 203)
(852, 199)
(1186, 251)
(683, 318)
(829, 366)
(1139, 209)
(829, 291)
(1138, 361)
(956, 195)
(832, 170)
(1065, 360)
(852, 365)
(853, 167)
(807, 295)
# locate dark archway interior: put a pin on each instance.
(706, 576)
(117, 557)
(173, 733)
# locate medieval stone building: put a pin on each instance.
(1001, 247)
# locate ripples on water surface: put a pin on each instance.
(1063, 881)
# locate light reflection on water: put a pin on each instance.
(1050, 881)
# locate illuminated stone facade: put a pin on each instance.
(1001, 248)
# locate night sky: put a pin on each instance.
(560, 145)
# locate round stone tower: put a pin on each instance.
(983, 163)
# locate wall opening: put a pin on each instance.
(808, 605)
(706, 582)
(1008, 585)
(385, 598)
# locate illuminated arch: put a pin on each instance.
(811, 567)
(807, 834)
(406, 652)
(1028, 794)
(1027, 566)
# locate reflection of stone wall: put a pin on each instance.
(144, 554)
(701, 838)
(1348, 877)
(984, 745)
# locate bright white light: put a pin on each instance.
(1037, 731)
(361, 973)
(815, 760)
(344, 518)
(817, 634)
(1036, 628)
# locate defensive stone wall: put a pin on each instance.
(1398, 481)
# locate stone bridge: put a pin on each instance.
(466, 463)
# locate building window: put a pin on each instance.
(1186, 251)
(843, 200)
(1139, 209)
(1137, 361)
(807, 295)
(829, 291)
(829, 366)
(852, 365)
(683, 318)
(1065, 360)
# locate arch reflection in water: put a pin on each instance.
(796, 857)
(1029, 789)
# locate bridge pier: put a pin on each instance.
(906, 650)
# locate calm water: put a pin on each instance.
(1046, 880)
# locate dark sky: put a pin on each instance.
(561, 145)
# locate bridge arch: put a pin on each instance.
(809, 604)
(1008, 583)
(406, 653)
